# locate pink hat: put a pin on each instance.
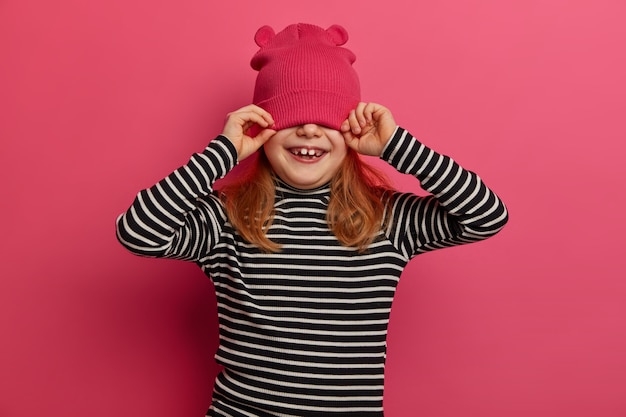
(305, 76)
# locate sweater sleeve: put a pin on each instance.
(179, 217)
(461, 208)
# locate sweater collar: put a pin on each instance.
(285, 190)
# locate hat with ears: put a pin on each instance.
(305, 75)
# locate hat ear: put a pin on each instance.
(264, 35)
(338, 34)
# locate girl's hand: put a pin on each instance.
(368, 128)
(237, 125)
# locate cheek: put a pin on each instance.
(341, 151)
(338, 143)
(339, 158)
(271, 149)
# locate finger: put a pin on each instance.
(252, 113)
(249, 145)
(369, 112)
(264, 136)
(254, 117)
(359, 112)
(355, 127)
(351, 140)
(263, 113)
(266, 116)
(345, 126)
(254, 109)
(383, 113)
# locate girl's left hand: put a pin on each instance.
(368, 128)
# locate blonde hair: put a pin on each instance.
(357, 209)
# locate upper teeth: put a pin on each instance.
(309, 152)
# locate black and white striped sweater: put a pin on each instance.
(302, 332)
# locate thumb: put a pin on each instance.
(264, 135)
(351, 140)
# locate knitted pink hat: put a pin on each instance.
(305, 76)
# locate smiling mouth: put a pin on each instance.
(307, 153)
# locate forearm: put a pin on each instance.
(466, 208)
(158, 214)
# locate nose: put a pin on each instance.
(309, 130)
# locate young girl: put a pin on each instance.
(305, 250)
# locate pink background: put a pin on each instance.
(100, 99)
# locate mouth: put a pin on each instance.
(309, 154)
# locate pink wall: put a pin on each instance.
(100, 99)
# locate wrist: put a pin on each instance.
(390, 135)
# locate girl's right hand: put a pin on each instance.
(237, 125)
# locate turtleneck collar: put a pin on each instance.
(285, 190)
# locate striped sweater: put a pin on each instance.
(302, 332)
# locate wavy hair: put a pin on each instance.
(357, 209)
